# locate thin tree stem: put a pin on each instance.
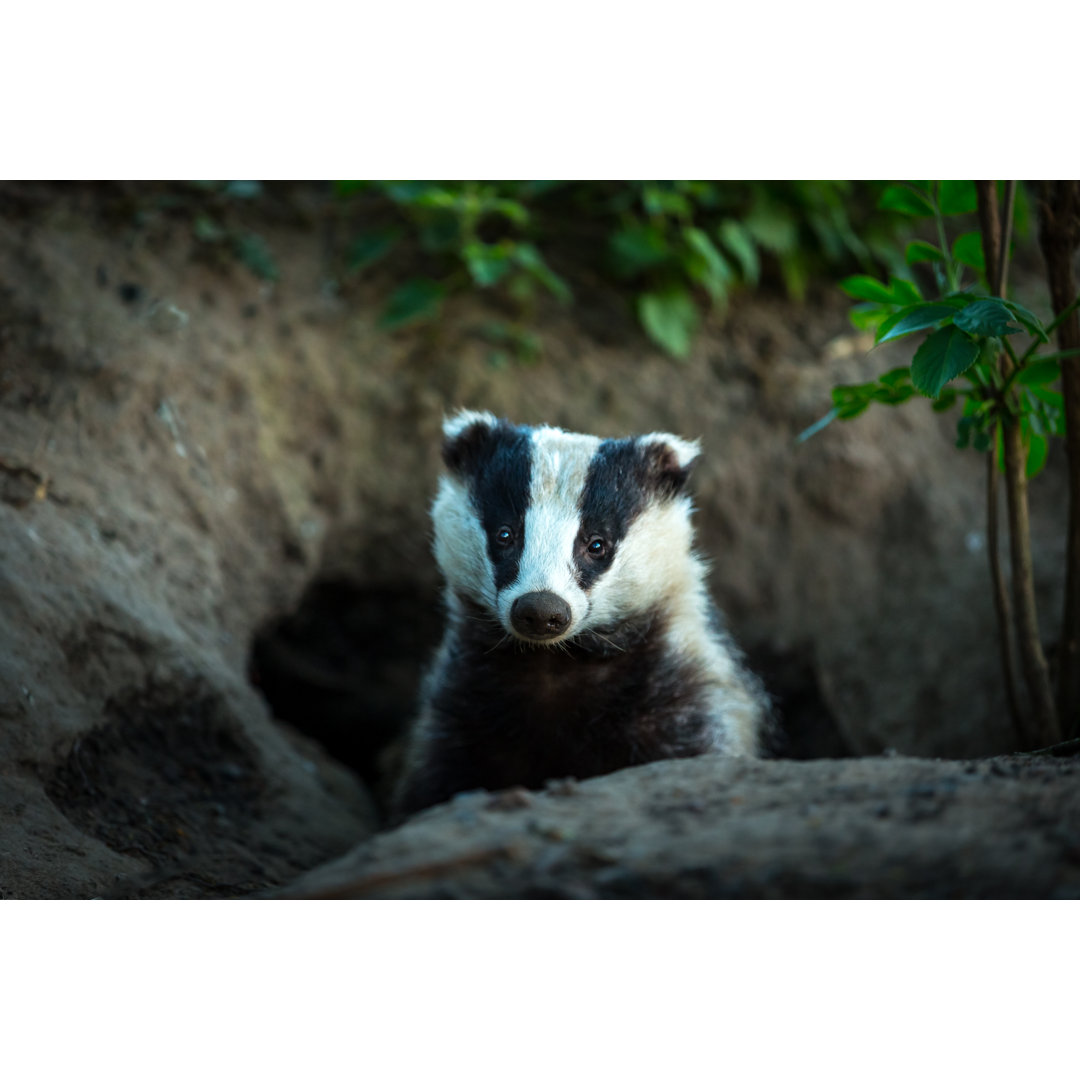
(1043, 723)
(1001, 268)
(1058, 320)
(1059, 236)
(1001, 596)
(943, 240)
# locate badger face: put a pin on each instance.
(555, 534)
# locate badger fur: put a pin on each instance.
(580, 637)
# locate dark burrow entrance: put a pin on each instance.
(345, 669)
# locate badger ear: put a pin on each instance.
(668, 461)
(465, 434)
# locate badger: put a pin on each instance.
(580, 637)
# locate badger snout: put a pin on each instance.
(540, 615)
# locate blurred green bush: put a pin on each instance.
(675, 247)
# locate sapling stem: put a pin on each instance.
(1059, 236)
(1001, 594)
(1042, 725)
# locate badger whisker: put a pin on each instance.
(607, 640)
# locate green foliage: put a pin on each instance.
(921, 251)
(414, 302)
(985, 319)
(670, 318)
(957, 197)
(251, 249)
(905, 199)
(911, 318)
(946, 353)
(223, 240)
(966, 332)
(968, 249)
(679, 247)
(369, 247)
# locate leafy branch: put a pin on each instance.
(1009, 407)
(679, 247)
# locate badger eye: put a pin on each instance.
(596, 547)
(504, 535)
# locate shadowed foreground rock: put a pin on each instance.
(886, 827)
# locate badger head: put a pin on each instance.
(556, 534)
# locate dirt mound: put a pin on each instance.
(705, 828)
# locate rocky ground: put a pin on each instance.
(868, 828)
(216, 595)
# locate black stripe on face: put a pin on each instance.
(496, 463)
(624, 475)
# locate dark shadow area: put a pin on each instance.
(167, 769)
(345, 667)
(805, 727)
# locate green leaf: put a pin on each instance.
(416, 301)
(510, 338)
(508, 208)
(921, 251)
(957, 300)
(851, 401)
(914, 317)
(904, 292)
(855, 407)
(1030, 322)
(892, 388)
(869, 316)
(896, 377)
(207, 230)
(638, 248)
(773, 227)
(369, 247)
(670, 318)
(251, 249)
(488, 263)
(892, 395)
(244, 189)
(344, 188)
(946, 353)
(985, 318)
(964, 428)
(968, 249)
(741, 244)
(864, 287)
(415, 191)
(795, 270)
(905, 200)
(440, 235)
(706, 266)
(662, 201)
(437, 198)
(1054, 398)
(528, 257)
(946, 401)
(1044, 418)
(958, 197)
(1048, 405)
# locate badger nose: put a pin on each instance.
(540, 615)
